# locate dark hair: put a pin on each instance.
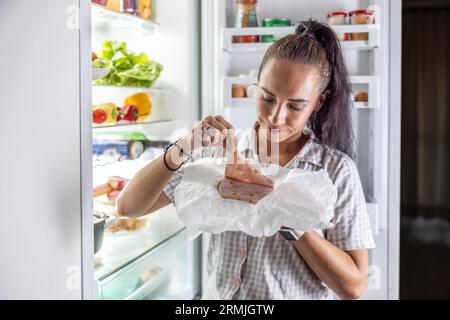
(316, 44)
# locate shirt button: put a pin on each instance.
(236, 282)
(243, 253)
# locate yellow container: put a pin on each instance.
(146, 9)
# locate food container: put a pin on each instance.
(113, 5)
(129, 6)
(119, 149)
(101, 222)
(146, 9)
(267, 23)
(100, 2)
(360, 17)
(337, 19)
(282, 22)
(246, 17)
(274, 22)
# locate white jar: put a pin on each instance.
(251, 91)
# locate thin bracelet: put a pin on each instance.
(165, 152)
(167, 166)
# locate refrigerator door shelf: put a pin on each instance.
(361, 105)
(228, 33)
(228, 100)
(251, 103)
(371, 83)
(372, 29)
(261, 47)
(242, 103)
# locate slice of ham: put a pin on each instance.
(237, 190)
(239, 169)
(243, 182)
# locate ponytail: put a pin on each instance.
(314, 43)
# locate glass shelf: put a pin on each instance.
(102, 16)
(133, 88)
(125, 124)
(120, 250)
(251, 103)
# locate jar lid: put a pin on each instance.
(351, 13)
(281, 21)
(267, 23)
(331, 14)
(245, 2)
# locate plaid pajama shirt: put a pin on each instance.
(240, 266)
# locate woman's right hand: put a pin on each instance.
(211, 131)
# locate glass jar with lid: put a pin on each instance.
(246, 17)
(274, 22)
(336, 19)
(360, 17)
(129, 6)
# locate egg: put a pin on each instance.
(362, 97)
(238, 91)
(251, 91)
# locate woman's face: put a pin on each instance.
(287, 95)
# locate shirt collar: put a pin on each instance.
(308, 153)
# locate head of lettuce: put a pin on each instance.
(125, 67)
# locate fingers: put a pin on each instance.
(215, 129)
(216, 126)
(230, 143)
(224, 122)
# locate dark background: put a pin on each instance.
(425, 177)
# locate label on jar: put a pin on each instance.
(245, 19)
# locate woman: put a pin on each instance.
(302, 84)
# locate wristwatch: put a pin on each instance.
(290, 234)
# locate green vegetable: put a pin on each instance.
(126, 68)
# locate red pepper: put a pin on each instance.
(99, 116)
(130, 113)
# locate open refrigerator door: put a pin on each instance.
(145, 90)
(232, 56)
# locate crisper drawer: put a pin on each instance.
(143, 275)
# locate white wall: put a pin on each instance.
(40, 238)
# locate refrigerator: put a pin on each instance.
(49, 165)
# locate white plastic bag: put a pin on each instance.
(301, 199)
